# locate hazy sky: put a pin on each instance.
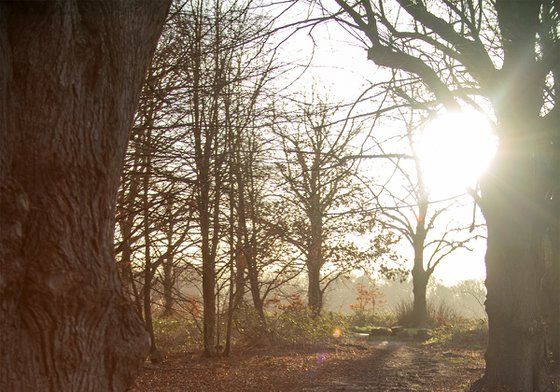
(339, 69)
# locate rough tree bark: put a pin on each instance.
(512, 203)
(515, 355)
(70, 76)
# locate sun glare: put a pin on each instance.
(455, 149)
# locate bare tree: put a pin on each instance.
(247, 151)
(326, 196)
(426, 224)
(465, 51)
(225, 62)
(152, 224)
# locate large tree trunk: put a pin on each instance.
(513, 203)
(515, 355)
(70, 75)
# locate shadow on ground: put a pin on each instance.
(350, 365)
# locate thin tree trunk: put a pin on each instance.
(168, 280)
(126, 203)
(208, 276)
(420, 275)
(149, 270)
(315, 295)
(229, 325)
(125, 261)
(251, 259)
(420, 279)
(315, 259)
(70, 75)
(253, 273)
(232, 257)
(168, 286)
(202, 152)
(126, 272)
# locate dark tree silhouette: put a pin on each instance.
(70, 76)
(506, 53)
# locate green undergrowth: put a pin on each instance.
(286, 327)
(467, 333)
(361, 329)
(293, 327)
(176, 335)
(299, 327)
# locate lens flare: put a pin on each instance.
(337, 332)
(321, 358)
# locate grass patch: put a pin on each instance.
(466, 333)
(361, 329)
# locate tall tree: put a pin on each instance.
(425, 223)
(224, 45)
(464, 51)
(325, 195)
(152, 226)
(245, 113)
(70, 76)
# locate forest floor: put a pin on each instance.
(348, 364)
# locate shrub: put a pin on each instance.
(176, 334)
(287, 323)
(301, 326)
(442, 314)
(438, 315)
(403, 312)
(368, 298)
(290, 322)
(471, 333)
(249, 328)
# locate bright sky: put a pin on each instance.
(340, 70)
(338, 65)
(455, 148)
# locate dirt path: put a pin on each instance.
(401, 366)
(356, 365)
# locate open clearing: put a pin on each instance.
(351, 364)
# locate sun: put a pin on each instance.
(455, 149)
